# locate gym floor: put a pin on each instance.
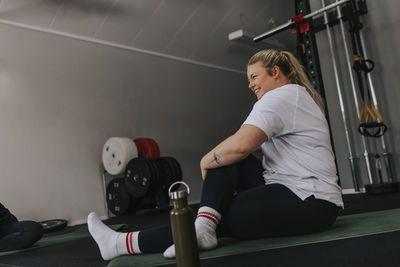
(373, 250)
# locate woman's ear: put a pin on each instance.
(275, 71)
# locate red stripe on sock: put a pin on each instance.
(210, 214)
(130, 239)
(127, 243)
(208, 217)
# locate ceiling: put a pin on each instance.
(190, 29)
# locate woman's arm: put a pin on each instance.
(236, 147)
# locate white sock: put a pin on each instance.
(110, 242)
(205, 225)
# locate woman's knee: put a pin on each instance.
(224, 171)
(251, 162)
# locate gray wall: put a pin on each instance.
(383, 46)
(62, 98)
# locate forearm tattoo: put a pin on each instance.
(216, 159)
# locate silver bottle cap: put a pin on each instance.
(178, 194)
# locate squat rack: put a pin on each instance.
(306, 26)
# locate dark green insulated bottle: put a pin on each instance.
(183, 232)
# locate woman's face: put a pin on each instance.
(260, 81)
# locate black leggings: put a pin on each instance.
(15, 234)
(19, 235)
(249, 208)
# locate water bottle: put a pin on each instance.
(183, 231)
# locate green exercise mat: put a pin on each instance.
(349, 226)
(79, 233)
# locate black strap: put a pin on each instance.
(372, 129)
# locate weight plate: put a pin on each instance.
(118, 198)
(177, 172)
(171, 167)
(154, 149)
(160, 171)
(162, 175)
(178, 168)
(134, 204)
(155, 177)
(147, 148)
(53, 225)
(165, 169)
(167, 175)
(137, 177)
(169, 171)
(117, 151)
(141, 147)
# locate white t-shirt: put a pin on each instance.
(298, 152)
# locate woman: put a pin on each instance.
(293, 191)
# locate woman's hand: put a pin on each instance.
(203, 174)
(203, 169)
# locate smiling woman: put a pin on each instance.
(281, 67)
(262, 80)
(293, 191)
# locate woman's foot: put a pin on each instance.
(206, 239)
(105, 238)
(205, 225)
(110, 242)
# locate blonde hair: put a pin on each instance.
(290, 67)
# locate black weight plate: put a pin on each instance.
(160, 172)
(147, 203)
(53, 225)
(155, 177)
(165, 170)
(171, 178)
(178, 168)
(134, 204)
(167, 175)
(117, 195)
(163, 180)
(137, 177)
(170, 171)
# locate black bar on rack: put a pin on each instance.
(293, 21)
(319, 24)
